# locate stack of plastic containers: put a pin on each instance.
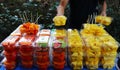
(42, 49)
(75, 49)
(93, 52)
(92, 49)
(100, 47)
(26, 50)
(59, 49)
(10, 51)
(108, 51)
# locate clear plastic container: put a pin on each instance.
(27, 64)
(45, 32)
(43, 65)
(9, 43)
(10, 65)
(59, 65)
(16, 32)
(10, 56)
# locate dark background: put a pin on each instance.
(10, 18)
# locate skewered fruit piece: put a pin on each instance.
(29, 28)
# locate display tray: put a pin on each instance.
(19, 67)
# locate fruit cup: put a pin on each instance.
(43, 66)
(59, 65)
(25, 49)
(10, 65)
(43, 59)
(10, 56)
(26, 54)
(58, 56)
(42, 53)
(26, 58)
(27, 64)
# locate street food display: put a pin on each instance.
(92, 46)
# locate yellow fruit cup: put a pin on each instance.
(59, 20)
(105, 20)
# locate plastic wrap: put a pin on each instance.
(16, 32)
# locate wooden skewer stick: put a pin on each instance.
(88, 20)
(37, 19)
(21, 17)
(93, 18)
(31, 17)
(26, 16)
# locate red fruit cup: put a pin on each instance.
(43, 66)
(26, 54)
(9, 65)
(9, 43)
(59, 53)
(59, 50)
(41, 49)
(25, 45)
(26, 58)
(8, 47)
(58, 59)
(59, 65)
(59, 56)
(26, 50)
(5, 44)
(27, 64)
(43, 58)
(10, 56)
(42, 53)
